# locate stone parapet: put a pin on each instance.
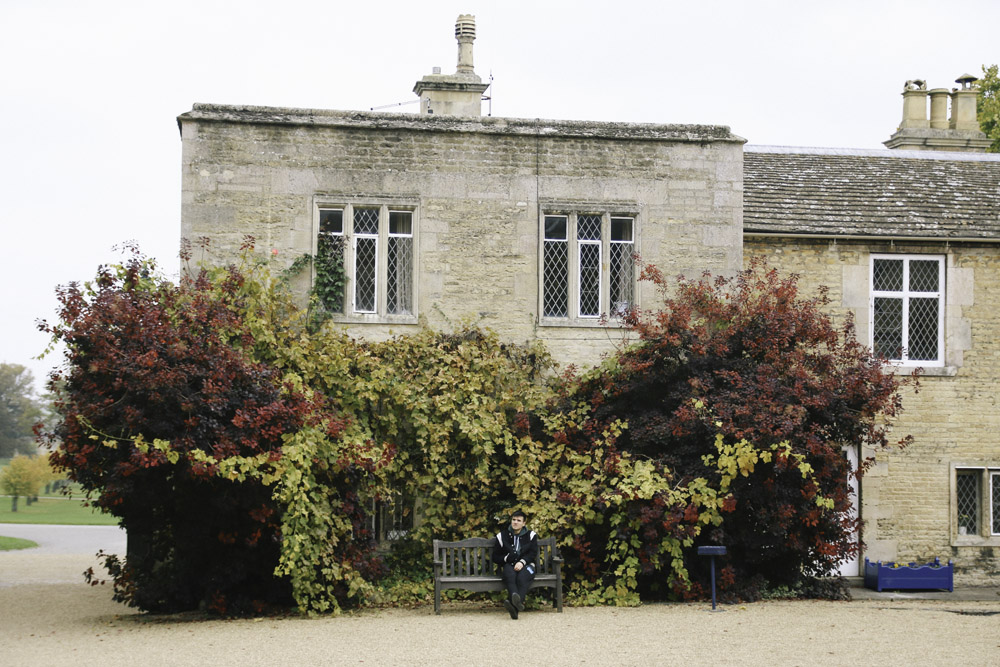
(282, 116)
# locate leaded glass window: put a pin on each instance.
(555, 267)
(399, 263)
(376, 245)
(622, 267)
(588, 235)
(967, 498)
(330, 274)
(366, 223)
(995, 501)
(588, 266)
(907, 308)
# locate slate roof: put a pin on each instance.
(871, 193)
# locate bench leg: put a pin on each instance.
(437, 597)
(559, 597)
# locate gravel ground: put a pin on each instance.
(50, 616)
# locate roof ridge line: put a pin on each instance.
(873, 152)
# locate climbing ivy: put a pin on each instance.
(331, 276)
(292, 433)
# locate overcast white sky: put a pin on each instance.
(90, 91)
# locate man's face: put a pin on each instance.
(517, 523)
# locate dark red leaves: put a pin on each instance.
(750, 358)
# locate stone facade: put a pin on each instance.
(908, 500)
(477, 189)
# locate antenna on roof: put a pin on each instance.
(388, 106)
(489, 98)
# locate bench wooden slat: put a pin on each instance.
(468, 565)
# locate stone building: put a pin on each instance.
(908, 243)
(523, 226)
(527, 227)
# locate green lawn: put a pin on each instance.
(58, 510)
(12, 543)
(52, 508)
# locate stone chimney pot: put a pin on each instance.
(966, 81)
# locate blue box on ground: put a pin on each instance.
(884, 576)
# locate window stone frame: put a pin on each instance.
(572, 211)
(985, 471)
(958, 294)
(905, 297)
(386, 204)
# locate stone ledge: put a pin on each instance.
(259, 115)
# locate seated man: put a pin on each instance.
(515, 549)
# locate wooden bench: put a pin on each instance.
(467, 565)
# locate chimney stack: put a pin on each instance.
(959, 133)
(963, 104)
(914, 105)
(939, 108)
(465, 33)
(458, 94)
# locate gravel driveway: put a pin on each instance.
(49, 616)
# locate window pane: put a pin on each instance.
(399, 272)
(366, 221)
(621, 229)
(331, 221)
(588, 228)
(922, 333)
(995, 500)
(887, 275)
(555, 227)
(622, 267)
(887, 328)
(365, 254)
(330, 275)
(590, 279)
(924, 275)
(555, 278)
(401, 223)
(967, 496)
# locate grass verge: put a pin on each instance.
(65, 511)
(14, 543)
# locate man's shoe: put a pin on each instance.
(511, 609)
(516, 600)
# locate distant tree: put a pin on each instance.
(45, 472)
(22, 477)
(989, 106)
(19, 410)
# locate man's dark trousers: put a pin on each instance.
(517, 582)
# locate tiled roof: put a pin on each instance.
(879, 193)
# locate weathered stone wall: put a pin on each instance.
(478, 187)
(907, 498)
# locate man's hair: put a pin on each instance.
(520, 514)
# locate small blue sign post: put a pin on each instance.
(713, 552)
